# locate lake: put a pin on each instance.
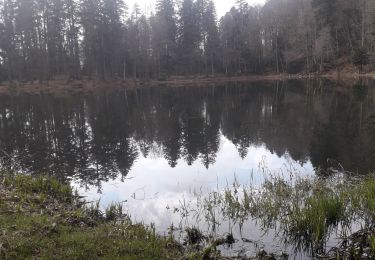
(157, 148)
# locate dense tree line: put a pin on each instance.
(105, 39)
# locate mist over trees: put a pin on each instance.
(106, 39)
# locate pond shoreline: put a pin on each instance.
(85, 85)
(43, 218)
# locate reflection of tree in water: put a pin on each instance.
(348, 135)
(98, 138)
(211, 134)
(242, 119)
(66, 137)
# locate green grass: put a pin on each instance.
(372, 243)
(42, 185)
(368, 197)
(41, 218)
(312, 221)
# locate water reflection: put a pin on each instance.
(97, 138)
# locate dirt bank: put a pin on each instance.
(63, 85)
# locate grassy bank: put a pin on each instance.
(42, 218)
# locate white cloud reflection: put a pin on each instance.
(152, 184)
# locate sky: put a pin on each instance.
(222, 6)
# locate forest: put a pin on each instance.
(41, 40)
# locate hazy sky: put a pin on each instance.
(222, 6)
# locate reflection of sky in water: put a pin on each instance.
(152, 184)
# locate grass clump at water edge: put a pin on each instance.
(305, 213)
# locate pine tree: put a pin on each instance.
(212, 40)
(360, 58)
(189, 35)
(164, 36)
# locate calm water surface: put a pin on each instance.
(154, 147)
